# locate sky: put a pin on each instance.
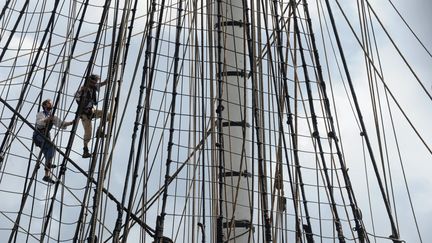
(416, 105)
(417, 161)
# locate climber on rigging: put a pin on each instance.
(86, 97)
(44, 122)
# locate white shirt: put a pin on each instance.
(41, 120)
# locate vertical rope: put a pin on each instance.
(219, 108)
(360, 229)
(258, 126)
(316, 132)
(161, 217)
(17, 22)
(204, 135)
(18, 107)
(298, 172)
(395, 233)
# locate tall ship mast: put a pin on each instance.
(215, 121)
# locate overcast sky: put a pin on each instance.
(417, 160)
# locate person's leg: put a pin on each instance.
(87, 125)
(38, 139)
(99, 114)
(48, 151)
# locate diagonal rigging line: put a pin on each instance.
(29, 233)
(173, 176)
(391, 40)
(397, 49)
(382, 79)
(153, 198)
(19, 105)
(409, 27)
(147, 228)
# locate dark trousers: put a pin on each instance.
(46, 148)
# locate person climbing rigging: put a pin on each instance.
(44, 122)
(86, 97)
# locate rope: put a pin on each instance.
(278, 92)
(8, 41)
(293, 140)
(316, 133)
(93, 159)
(366, 137)
(292, 131)
(161, 217)
(258, 122)
(393, 97)
(409, 27)
(359, 227)
(220, 142)
(24, 89)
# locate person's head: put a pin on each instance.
(92, 80)
(47, 105)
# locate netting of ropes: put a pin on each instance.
(214, 116)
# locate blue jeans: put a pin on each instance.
(46, 147)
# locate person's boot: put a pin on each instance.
(51, 165)
(86, 153)
(48, 179)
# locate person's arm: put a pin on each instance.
(78, 94)
(61, 124)
(66, 124)
(102, 83)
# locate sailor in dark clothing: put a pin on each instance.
(44, 122)
(86, 96)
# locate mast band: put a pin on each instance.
(236, 173)
(239, 73)
(238, 224)
(235, 124)
(230, 23)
